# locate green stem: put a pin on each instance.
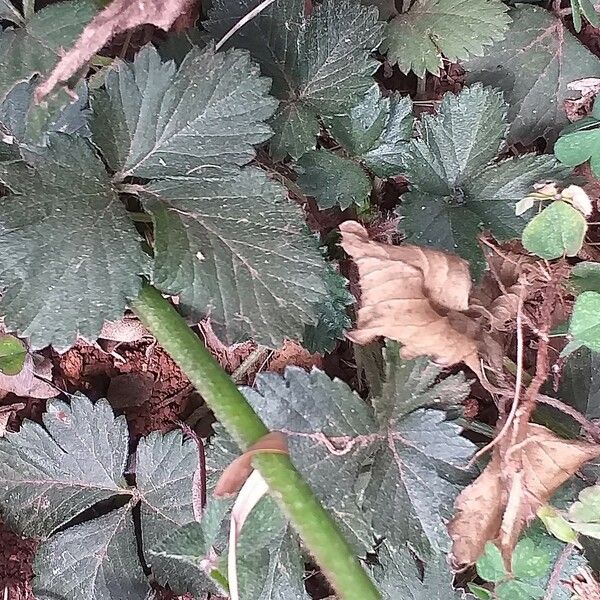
(313, 523)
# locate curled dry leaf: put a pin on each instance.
(415, 296)
(505, 498)
(119, 16)
(236, 474)
(582, 106)
(126, 330)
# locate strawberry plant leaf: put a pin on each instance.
(48, 476)
(92, 245)
(584, 8)
(270, 565)
(35, 47)
(333, 180)
(336, 440)
(333, 318)
(519, 590)
(399, 577)
(12, 355)
(585, 320)
(375, 132)
(156, 120)
(430, 29)
(455, 192)
(529, 561)
(320, 65)
(96, 559)
(164, 478)
(557, 231)
(533, 66)
(234, 247)
(585, 277)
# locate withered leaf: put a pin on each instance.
(6, 413)
(503, 500)
(415, 296)
(31, 382)
(236, 474)
(119, 16)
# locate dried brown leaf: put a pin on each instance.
(236, 474)
(119, 16)
(126, 330)
(31, 382)
(413, 295)
(504, 499)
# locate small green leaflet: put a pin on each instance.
(12, 355)
(432, 29)
(416, 458)
(455, 190)
(67, 265)
(585, 277)
(320, 65)
(333, 180)
(585, 513)
(580, 146)
(585, 320)
(490, 565)
(557, 231)
(373, 135)
(584, 8)
(35, 47)
(533, 66)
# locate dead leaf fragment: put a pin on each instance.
(415, 296)
(124, 331)
(503, 500)
(6, 412)
(31, 382)
(119, 16)
(236, 474)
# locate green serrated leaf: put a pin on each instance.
(96, 559)
(398, 577)
(333, 317)
(419, 38)
(164, 477)
(490, 565)
(529, 561)
(576, 148)
(233, 246)
(49, 475)
(454, 193)
(71, 259)
(585, 277)
(557, 231)
(333, 180)
(12, 355)
(415, 457)
(376, 131)
(519, 590)
(533, 66)
(36, 47)
(155, 120)
(320, 65)
(585, 320)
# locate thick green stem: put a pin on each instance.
(313, 523)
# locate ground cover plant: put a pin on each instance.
(300, 300)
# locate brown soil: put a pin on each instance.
(16, 556)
